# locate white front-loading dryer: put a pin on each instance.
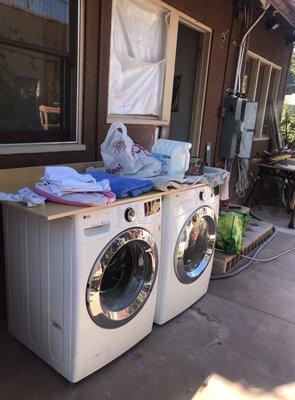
(188, 238)
(82, 290)
(212, 199)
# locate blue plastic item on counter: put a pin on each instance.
(124, 187)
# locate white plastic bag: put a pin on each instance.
(122, 156)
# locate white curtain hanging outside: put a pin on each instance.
(138, 58)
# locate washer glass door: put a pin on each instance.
(195, 245)
(122, 278)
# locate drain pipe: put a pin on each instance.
(237, 85)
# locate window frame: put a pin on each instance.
(257, 61)
(74, 56)
(176, 17)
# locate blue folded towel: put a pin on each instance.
(122, 186)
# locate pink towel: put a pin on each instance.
(78, 199)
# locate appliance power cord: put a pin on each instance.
(269, 259)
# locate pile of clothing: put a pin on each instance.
(64, 185)
(127, 186)
(24, 195)
(122, 186)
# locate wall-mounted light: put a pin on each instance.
(272, 24)
(275, 26)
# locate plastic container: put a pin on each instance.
(174, 157)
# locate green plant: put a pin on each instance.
(288, 125)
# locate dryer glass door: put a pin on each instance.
(122, 278)
(195, 245)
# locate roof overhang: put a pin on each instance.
(286, 9)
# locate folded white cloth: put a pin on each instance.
(165, 183)
(65, 180)
(59, 173)
(211, 176)
(24, 195)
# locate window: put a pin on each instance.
(261, 84)
(38, 71)
(143, 81)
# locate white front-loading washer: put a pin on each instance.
(188, 237)
(82, 290)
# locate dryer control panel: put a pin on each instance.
(206, 193)
(137, 213)
(152, 207)
(109, 220)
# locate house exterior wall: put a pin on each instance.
(221, 16)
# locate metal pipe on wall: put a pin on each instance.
(237, 85)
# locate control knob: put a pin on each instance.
(129, 214)
(202, 196)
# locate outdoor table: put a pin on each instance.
(284, 172)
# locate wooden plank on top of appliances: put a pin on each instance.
(52, 211)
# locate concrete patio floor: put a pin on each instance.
(276, 215)
(237, 342)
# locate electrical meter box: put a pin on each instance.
(231, 129)
(249, 114)
(238, 127)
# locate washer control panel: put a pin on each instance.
(202, 195)
(138, 213)
(206, 193)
